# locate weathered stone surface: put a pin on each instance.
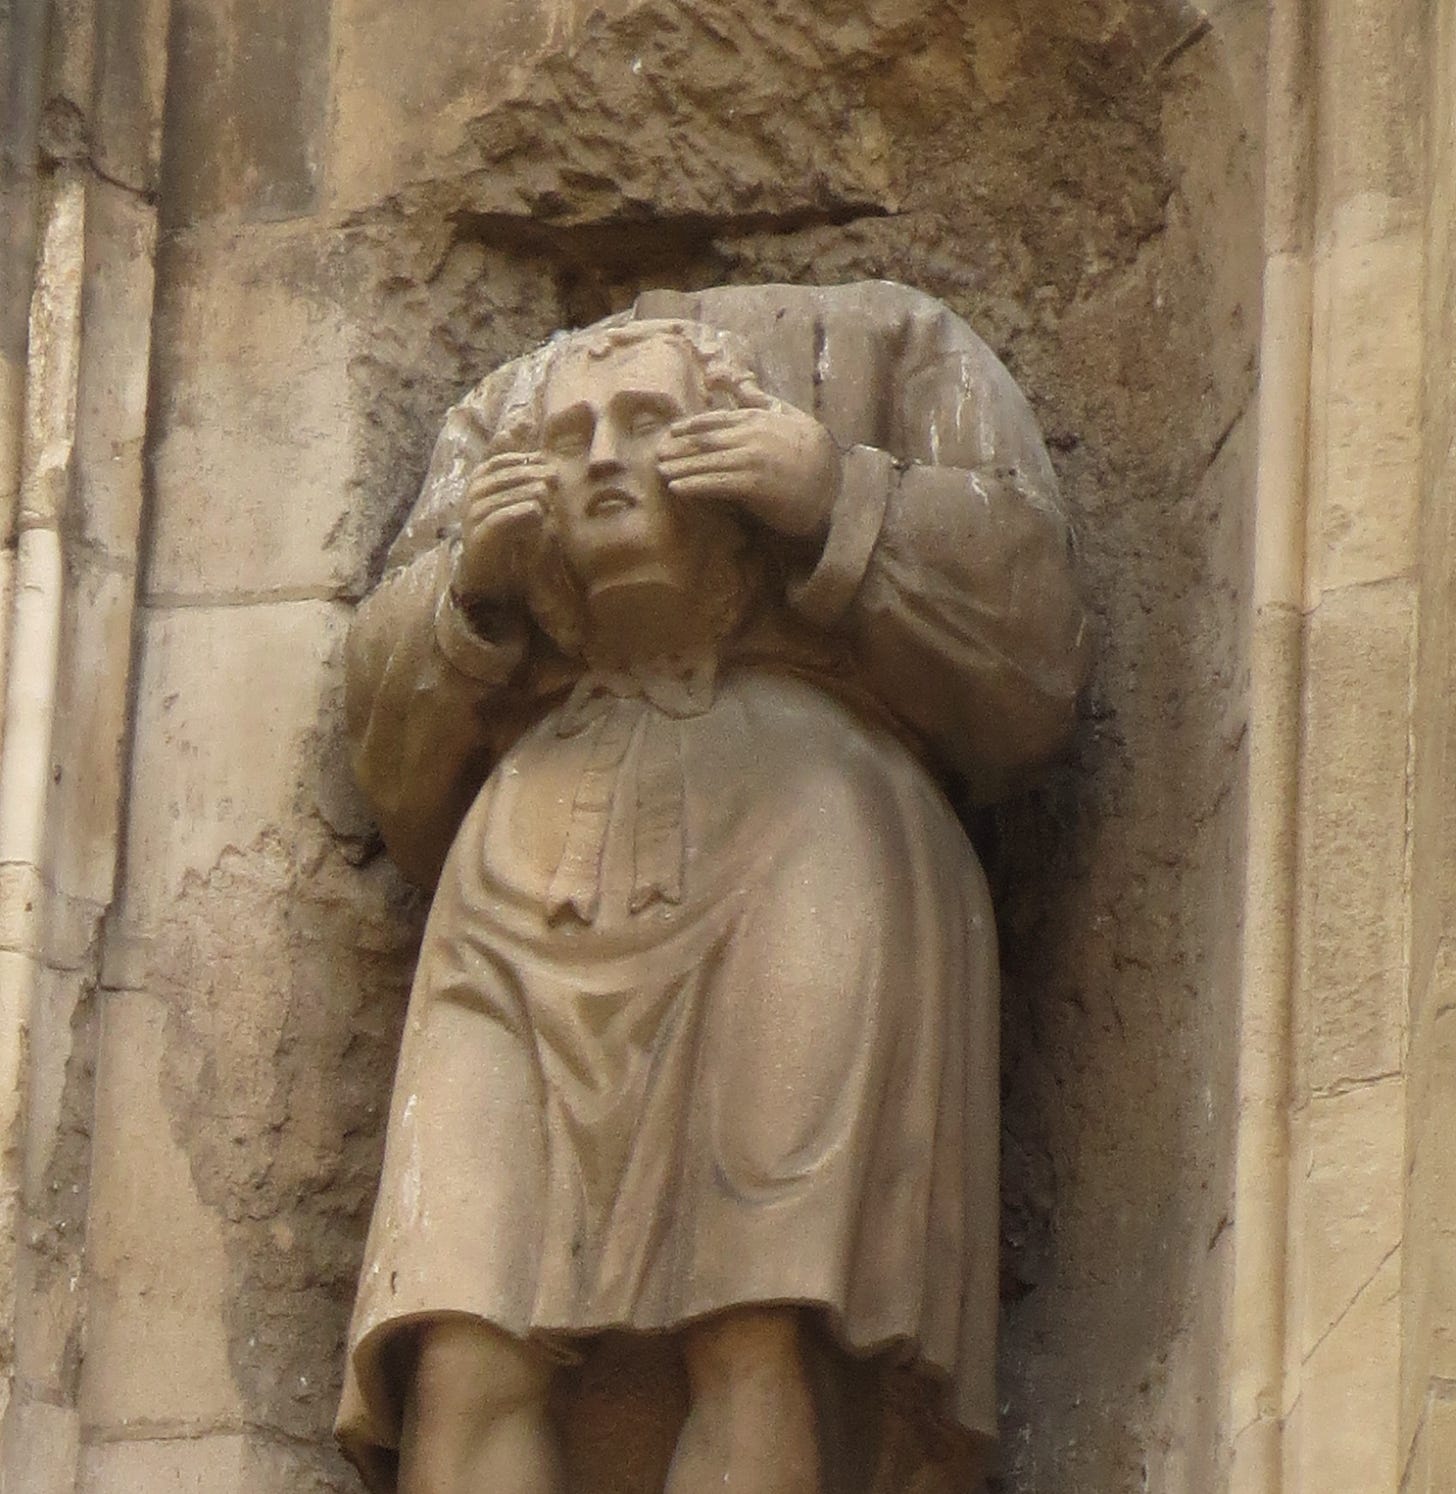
(275, 1071)
(229, 721)
(1429, 1329)
(42, 1429)
(1346, 1276)
(247, 109)
(271, 1050)
(1433, 812)
(85, 801)
(1428, 1342)
(176, 1464)
(112, 388)
(62, 1058)
(1433, 1453)
(157, 1355)
(1365, 395)
(127, 93)
(1343, 1146)
(1354, 836)
(253, 424)
(1432, 1108)
(1439, 276)
(1372, 61)
(42, 1448)
(403, 107)
(1353, 1370)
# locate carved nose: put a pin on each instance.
(604, 454)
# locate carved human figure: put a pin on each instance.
(702, 1042)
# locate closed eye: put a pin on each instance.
(644, 413)
(567, 443)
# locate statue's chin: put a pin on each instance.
(645, 612)
(671, 598)
(641, 575)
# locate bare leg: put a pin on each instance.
(475, 1417)
(750, 1427)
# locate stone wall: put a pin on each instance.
(265, 247)
(1345, 774)
(1426, 1416)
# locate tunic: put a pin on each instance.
(706, 1007)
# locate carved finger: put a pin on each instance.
(492, 514)
(528, 489)
(529, 501)
(498, 472)
(506, 485)
(503, 460)
(753, 398)
(532, 492)
(725, 449)
(678, 447)
(725, 463)
(711, 420)
(708, 485)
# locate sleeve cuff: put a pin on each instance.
(487, 661)
(824, 595)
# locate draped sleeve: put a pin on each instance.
(434, 696)
(431, 701)
(962, 609)
(948, 563)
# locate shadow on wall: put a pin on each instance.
(1076, 181)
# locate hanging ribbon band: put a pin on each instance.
(636, 717)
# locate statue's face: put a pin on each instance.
(602, 423)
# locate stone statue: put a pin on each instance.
(695, 608)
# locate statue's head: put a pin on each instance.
(616, 535)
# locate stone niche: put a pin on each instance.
(364, 208)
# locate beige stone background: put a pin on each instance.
(249, 253)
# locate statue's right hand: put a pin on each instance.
(502, 518)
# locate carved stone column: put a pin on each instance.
(80, 173)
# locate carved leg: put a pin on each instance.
(750, 1426)
(475, 1418)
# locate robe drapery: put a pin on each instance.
(706, 1007)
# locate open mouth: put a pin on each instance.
(607, 501)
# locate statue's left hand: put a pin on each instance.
(779, 464)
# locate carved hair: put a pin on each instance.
(721, 363)
(723, 370)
